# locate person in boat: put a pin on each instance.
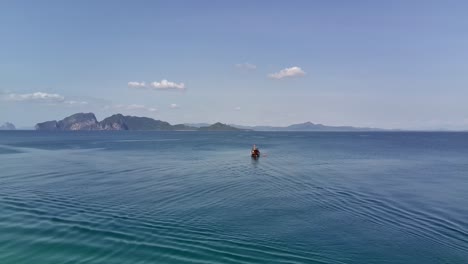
(255, 151)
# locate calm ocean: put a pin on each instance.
(198, 197)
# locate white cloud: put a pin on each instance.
(40, 97)
(174, 106)
(167, 85)
(71, 102)
(162, 85)
(136, 84)
(35, 97)
(246, 66)
(288, 72)
(237, 108)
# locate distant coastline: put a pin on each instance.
(88, 122)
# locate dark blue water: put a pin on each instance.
(198, 197)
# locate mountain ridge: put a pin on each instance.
(7, 126)
(308, 126)
(88, 121)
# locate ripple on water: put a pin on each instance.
(105, 231)
(131, 198)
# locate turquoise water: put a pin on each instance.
(197, 197)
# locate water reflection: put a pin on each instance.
(255, 161)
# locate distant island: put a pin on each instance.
(7, 126)
(219, 127)
(88, 121)
(308, 126)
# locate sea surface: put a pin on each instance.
(198, 197)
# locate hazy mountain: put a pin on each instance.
(25, 128)
(307, 126)
(88, 121)
(219, 127)
(197, 125)
(7, 126)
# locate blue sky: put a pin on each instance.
(389, 64)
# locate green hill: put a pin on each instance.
(219, 127)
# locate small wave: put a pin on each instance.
(146, 140)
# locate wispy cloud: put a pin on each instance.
(72, 102)
(136, 84)
(173, 106)
(40, 97)
(167, 85)
(162, 85)
(133, 107)
(237, 108)
(287, 73)
(34, 97)
(246, 66)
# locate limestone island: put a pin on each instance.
(88, 121)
